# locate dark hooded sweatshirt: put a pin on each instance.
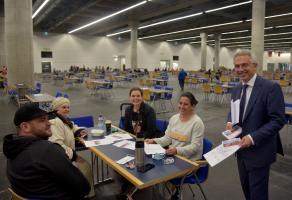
(39, 169)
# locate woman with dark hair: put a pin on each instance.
(140, 117)
(185, 130)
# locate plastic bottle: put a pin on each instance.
(101, 124)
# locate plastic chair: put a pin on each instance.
(84, 121)
(58, 94)
(162, 126)
(168, 96)
(66, 96)
(199, 176)
(15, 196)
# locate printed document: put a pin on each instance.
(153, 149)
(94, 143)
(125, 160)
(222, 152)
(126, 144)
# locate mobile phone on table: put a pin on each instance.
(147, 167)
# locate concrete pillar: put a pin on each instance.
(134, 39)
(290, 58)
(203, 50)
(217, 51)
(257, 32)
(2, 43)
(18, 41)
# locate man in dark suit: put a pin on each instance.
(261, 117)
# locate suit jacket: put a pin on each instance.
(264, 117)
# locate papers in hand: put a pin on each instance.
(126, 159)
(222, 151)
(235, 111)
(126, 144)
(154, 149)
(232, 134)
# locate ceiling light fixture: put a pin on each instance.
(186, 38)
(191, 29)
(231, 32)
(211, 26)
(193, 15)
(280, 15)
(278, 34)
(170, 20)
(40, 8)
(225, 7)
(118, 33)
(106, 17)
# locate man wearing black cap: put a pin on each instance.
(37, 168)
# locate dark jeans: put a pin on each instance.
(181, 84)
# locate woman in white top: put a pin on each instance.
(64, 132)
(185, 130)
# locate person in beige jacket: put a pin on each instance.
(64, 132)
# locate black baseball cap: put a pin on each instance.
(28, 112)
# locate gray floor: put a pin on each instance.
(223, 181)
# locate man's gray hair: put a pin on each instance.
(245, 53)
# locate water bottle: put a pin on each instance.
(139, 152)
(101, 124)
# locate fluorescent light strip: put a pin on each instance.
(118, 33)
(279, 43)
(186, 38)
(235, 42)
(211, 26)
(40, 8)
(273, 16)
(226, 33)
(235, 38)
(192, 29)
(283, 26)
(193, 15)
(225, 7)
(278, 34)
(170, 20)
(109, 16)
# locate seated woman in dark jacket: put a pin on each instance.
(140, 117)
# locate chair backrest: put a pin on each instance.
(66, 96)
(203, 171)
(161, 125)
(85, 121)
(59, 94)
(218, 89)
(206, 88)
(15, 196)
(147, 95)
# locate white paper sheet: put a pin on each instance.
(126, 159)
(153, 149)
(126, 144)
(220, 153)
(119, 136)
(235, 111)
(94, 143)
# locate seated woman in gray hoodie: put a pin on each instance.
(185, 130)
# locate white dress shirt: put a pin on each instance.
(249, 89)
